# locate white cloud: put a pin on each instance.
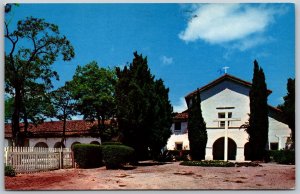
(226, 23)
(166, 60)
(180, 107)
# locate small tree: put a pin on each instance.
(288, 108)
(93, 88)
(197, 133)
(258, 121)
(63, 105)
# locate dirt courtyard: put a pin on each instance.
(167, 176)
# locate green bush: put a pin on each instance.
(10, 171)
(283, 156)
(115, 156)
(88, 155)
(112, 143)
(212, 163)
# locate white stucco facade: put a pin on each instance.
(228, 96)
(51, 142)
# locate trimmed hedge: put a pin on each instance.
(88, 155)
(112, 143)
(282, 156)
(10, 171)
(212, 163)
(115, 156)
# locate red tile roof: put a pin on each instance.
(220, 79)
(54, 128)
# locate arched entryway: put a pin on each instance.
(95, 143)
(41, 145)
(59, 145)
(76, 142)
(247, 151)
(218, 149)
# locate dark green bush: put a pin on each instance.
(88, 155)
(115, 156)
(283, 156)
(10, 171)
(212, 163)
(112, 143)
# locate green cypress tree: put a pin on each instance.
(143, 109)
(288, 108)
(197, 133)
(258, 121)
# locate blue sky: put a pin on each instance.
(186, 44)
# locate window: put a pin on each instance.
(274, 146)
(178, 146)
(222, 115)
(177, 126)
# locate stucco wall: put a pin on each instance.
(68, 142)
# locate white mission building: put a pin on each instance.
(225, 107)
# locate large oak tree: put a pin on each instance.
(34, 46)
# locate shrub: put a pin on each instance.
(10, 171)
(88, 155)
(112, 143)
(115, 156)
(283, 156)
(211, 163)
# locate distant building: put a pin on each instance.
(49, 134)
(227, 98)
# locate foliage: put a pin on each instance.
(288, 108)
(93, 87)
(63, 105)
(9, 102)
(9, 171)
(197, 133)
(115, 156)
(88, 155)
(208, 163)
(283, 156)
(258, 120)
(111, 143)
(143, 109)
(28, 66)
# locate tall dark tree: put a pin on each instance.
(143, 108)
(258, 121)
(63, 106)
(197, 133)
(288, 108)
(93, 88)
(35, 46)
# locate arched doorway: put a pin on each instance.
(247, 151)
(95, 143)
(41, 145)
(59, 145)
(218, 149)
(76, 142)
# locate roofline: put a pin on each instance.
(214, 82)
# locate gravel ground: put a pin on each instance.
(170, 176)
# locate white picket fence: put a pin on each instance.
(33, 159)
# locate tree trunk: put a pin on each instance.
(16, 117)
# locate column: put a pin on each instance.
(208, 153)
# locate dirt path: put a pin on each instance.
(167, 176)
